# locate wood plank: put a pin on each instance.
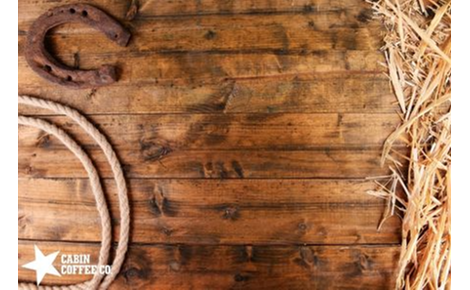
(273, 33)
(175, 132)
(211, 211)
(323, 93)
(236, 267)
(31, 9)
(155, 163)
(153, 146)
(326, 82)
(154, 8)
(206, 68)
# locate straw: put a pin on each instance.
(418, 53)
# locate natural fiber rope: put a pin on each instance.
(95, 282)
(95, 185)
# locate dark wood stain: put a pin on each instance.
(155, 207)
(136, 268)
(309, 8)
(210, 35)
(152, 151)
(44, 141)
(241, 277)
(365, 15)
(238, 168)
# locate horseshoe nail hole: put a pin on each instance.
(84, 13)
(72, 11)
(47, 68)
(69, 78)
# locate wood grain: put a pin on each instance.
(220, 146)
(211, 211)
(321, 93)
(246, 129)
(201, 82)
(320, 163)
(178, 132)
(236, 267)
(31, 9)
(274, 33)
(277, 59)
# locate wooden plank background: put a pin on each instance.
(248, 131)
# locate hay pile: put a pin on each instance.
(418, 54)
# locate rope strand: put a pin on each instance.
(97, 282)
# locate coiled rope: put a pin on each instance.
(97, 282)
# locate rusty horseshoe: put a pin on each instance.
(44, 64)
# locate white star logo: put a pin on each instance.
(42, 264)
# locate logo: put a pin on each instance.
(42, 264)
(76, 264)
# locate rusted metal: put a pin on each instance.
(43, 63)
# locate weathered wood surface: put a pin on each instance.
(31, 9)
(238, 267)
(227, 132)
(220, 146)
(263, 63)
(322, 163)
(211, 211)
(247, 130)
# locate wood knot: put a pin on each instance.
(240, 278)
(152, 151)
(175, 266)
(133, 273)
(44, 141)
(231, 213)
(238, 169)
(302, 227)
(309, 8)
(210, 35)
(22, 221)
